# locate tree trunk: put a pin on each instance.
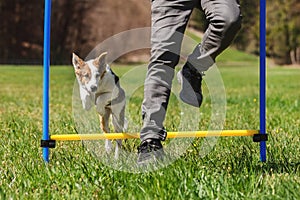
(298, 55)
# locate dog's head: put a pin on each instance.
(91, 72)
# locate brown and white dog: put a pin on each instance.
(100, 87)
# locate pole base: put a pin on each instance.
(48, 143)
(260, 137)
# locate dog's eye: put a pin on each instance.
(86, 75)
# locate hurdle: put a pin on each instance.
(49, 141)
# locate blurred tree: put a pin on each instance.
(20, 31)
(283, 28)
(198, 20)
(69, 28)
(76, 25)
(295, 32)
(248, 37)
(80, 25)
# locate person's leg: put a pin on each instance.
(169, 20)
(224, 19)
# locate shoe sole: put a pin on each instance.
(152, 158)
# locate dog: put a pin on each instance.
(99, 86)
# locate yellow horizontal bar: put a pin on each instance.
(184, 134)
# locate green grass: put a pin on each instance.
(232, 170)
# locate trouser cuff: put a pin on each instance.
(153, 132)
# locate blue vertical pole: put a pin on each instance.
(46, 64)
(263, 78)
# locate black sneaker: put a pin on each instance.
(150, 151)
(190, 80)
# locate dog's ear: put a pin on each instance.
(101, 60)
(77, 62)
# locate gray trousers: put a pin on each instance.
(169, 21)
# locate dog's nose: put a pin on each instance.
(93, 88)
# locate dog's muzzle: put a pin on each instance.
(93, 88)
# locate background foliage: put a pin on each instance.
(79, 25)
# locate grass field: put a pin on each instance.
(232, 170)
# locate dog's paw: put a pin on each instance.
(125, 125)
(108, 146)
(118, 149)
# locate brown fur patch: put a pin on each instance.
(104, 120)
(83, 72)
(102, 126)
(100, 67)
(96, 63)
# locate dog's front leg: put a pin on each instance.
(104, 124)
(86, 98)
